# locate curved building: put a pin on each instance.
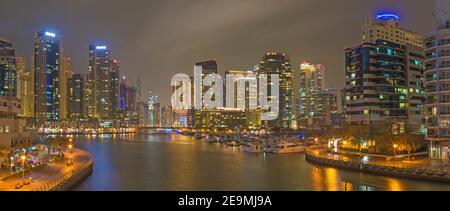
(437, 76)
(438, 88)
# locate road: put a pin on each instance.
(48, 174)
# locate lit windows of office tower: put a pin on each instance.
(278, 63)
(8, 73)
(47, 65)
(102, 84)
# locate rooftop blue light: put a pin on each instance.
(50, 34)
(100, 47)
(388, 16)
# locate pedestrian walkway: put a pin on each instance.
(52, 172)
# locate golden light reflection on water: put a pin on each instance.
(182, 165)
(394, 185)
(316, 176)
(325, 179)
(332, 180)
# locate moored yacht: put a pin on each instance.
(285, 147)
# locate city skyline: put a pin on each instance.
(289, 33)
(265, 95)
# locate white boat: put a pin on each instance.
(253, 147)
(285, 147)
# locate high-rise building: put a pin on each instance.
(208, 67)
(66, 73)
(167, 116)
(24, 87)
(329, 105)
(278, 63)
(437, 77)
(142, 114)
(152, 110)
(309, 84)
(384, 82)
(115, 87)
(8, 73)
(20, 68)
(385, 26)
(75, 97)
(248, 97)
(128, 102)
(46, 75)
(102, 84)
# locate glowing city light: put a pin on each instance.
(50, 34)
(388, 16)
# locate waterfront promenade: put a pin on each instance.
(55, 175)
(420, 168)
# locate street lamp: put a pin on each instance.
(70, 156)
(23, 158)
(395, 152)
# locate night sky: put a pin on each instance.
(158, 38)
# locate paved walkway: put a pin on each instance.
(420, 162)
(52, 172)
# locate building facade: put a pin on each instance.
(437, 77)
(167, 116)
(309, 83)
(102, 84)
(228, 119)
(385, 26)
(65, 74)
(153, 111)
(384, 77)
(8, 72)
(46, 75)
(24, 88)
(75, 97)
(384, 84)
(278, 63)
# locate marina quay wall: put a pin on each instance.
(383, 170)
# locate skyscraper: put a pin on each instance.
(66, 73)
(247, 97)
(167, 116)
(102, 81)
(75, 97)
(384, 81)
(208, 67)
(278, 63)
(8, 73)
(47, 66)
(437, 75)
(152, 100)
(24, 87)
(309, 84)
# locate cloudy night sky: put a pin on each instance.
(155, 39)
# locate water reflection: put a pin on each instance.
(395, 185)
(174, 162)
(332, 179)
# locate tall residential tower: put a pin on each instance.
(46, 72)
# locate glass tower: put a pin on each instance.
(47, 47)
